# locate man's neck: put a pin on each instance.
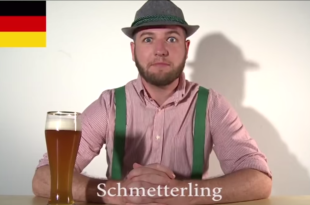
(160, 94)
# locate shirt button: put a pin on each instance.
(157, 137)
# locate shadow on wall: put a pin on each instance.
(220, 65)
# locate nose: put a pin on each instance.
(160, 49)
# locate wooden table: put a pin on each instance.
(275, 200)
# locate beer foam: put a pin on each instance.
(63, 124)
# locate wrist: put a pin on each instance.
(114, 192)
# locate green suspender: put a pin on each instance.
(120, 133)
(199, 133)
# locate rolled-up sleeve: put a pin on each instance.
(233, 145)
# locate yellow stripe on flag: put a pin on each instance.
(22, 39)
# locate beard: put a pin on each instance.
(160, 79)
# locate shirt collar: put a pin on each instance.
(177, 96)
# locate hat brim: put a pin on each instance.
(190, 29)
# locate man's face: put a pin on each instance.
(160, 54)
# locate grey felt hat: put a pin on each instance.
(159, 13)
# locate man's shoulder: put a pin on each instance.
(212, 93)
(215, 97)
(107, 96)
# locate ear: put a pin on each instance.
(187, 43)
(132, 47)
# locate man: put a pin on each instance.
(171, 126)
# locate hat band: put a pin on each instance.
(160, 18)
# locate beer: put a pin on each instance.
(62, 135)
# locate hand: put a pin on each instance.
(153, 173)
(148, 178)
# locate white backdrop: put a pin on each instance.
(254, 53)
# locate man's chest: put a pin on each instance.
(153, 135)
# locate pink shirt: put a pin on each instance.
(165, 134)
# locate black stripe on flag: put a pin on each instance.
(22, 8)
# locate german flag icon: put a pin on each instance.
(22, 24)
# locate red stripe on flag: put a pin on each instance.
(22, 23)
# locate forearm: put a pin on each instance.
(83, 188)
(243, 185)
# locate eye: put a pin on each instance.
(147, 40)
(172, 39)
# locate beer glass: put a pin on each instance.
(62, 135)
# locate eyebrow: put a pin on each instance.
(152, 34)
(173, 32)
(147, 33)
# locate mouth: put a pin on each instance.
(160, 64)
